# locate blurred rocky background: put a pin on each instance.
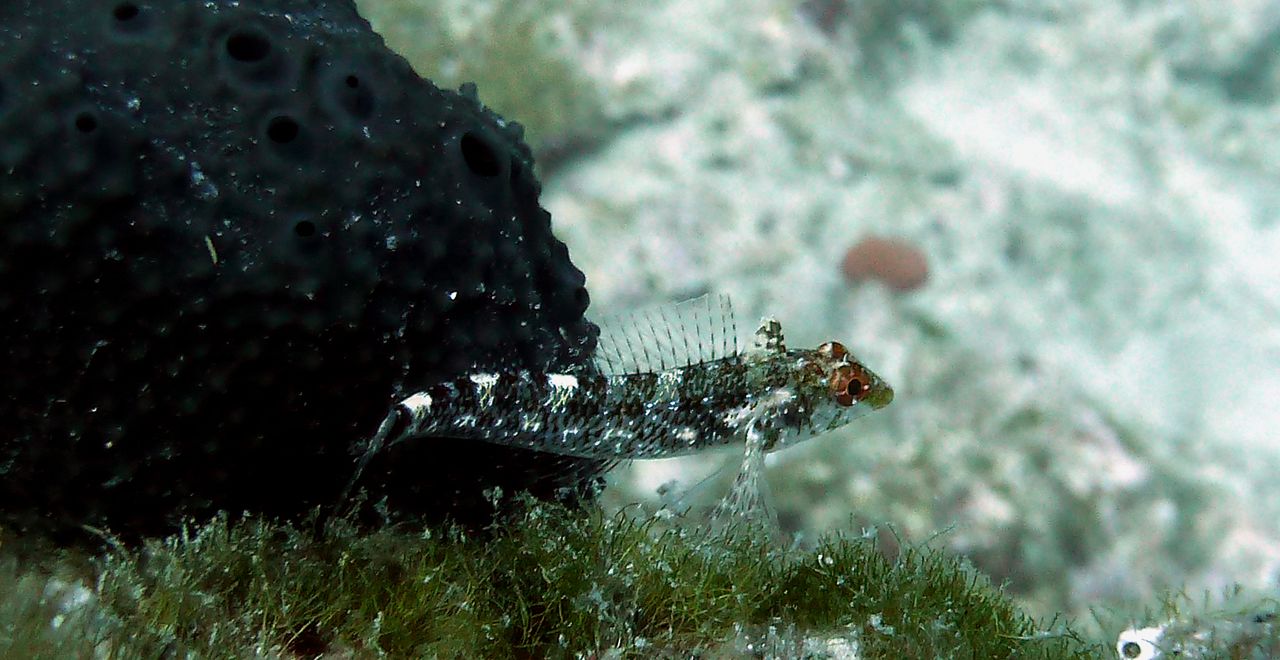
(1052, 226)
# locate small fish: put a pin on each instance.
(665, 382)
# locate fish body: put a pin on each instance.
(769, 395)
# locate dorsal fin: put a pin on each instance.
(667, 336)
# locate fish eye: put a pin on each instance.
(849, 384)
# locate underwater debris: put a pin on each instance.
(1140, 643)
(897, 264)
(229, 234)
(1250, 633)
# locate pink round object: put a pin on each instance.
(898, 264)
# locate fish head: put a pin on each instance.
(829, 389)
(849, 382)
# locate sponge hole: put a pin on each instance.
(349, 93)
(479, 156)
(283, 129)
(85, 122)
(257, 59)
(125, 12)
(357, 98)
(248, 46)
(130, 20)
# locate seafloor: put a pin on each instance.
(1087, 380)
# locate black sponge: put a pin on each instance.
(231, 233)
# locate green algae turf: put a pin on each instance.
(549, 583)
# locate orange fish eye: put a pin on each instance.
(833, 350)
(850, 383)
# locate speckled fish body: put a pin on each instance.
(780, 396)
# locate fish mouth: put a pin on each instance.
(880, 395)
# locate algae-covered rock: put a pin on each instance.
(550, 583)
